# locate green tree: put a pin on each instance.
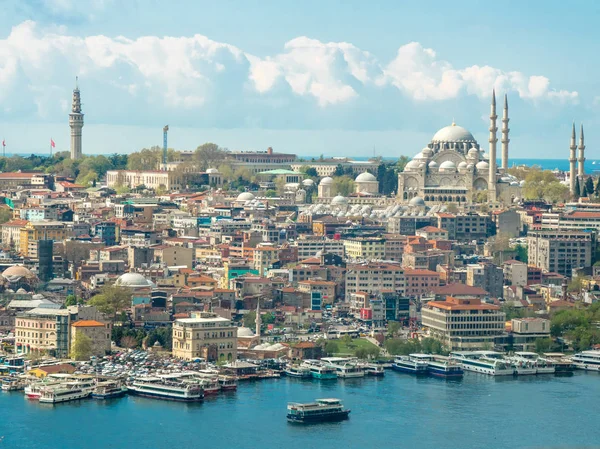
(111, 300)
(543, 345)
(250, 319)
(309, 171)
(393, 328)
(521, 253)
(402, 161)
(82, 347)
(576, 284)
(339, 170)
(331, 347)
(543, 184)
(577, 189)
(271, 193)
(480, 196)
(209, 155)
(6, 214)
(71, 300)
(343, 185)
(589, 185)
(597, 189)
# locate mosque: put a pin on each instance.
(453, 167)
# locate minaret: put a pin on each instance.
(76, 123)
(505, 131)
(493, 140)
(258, 320)
(572, 160)
(580, 165)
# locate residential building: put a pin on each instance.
(420, 282)
(525, 332)
(98, 333)
(40, 230)
(173, 256)
(560, 251)
(309, 245)
(515, 272)
(486, 276)
(432, 233)
(365, 248)
(463, 324)
(325, 288)
(11, 233)
(152, 179)
(205, 335)
(374, 277)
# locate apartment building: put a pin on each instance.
(374, 277)
(560, 251)
(365, 248)
(309, 245)
(420, 282)
(486, 276)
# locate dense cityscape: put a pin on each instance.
(220, 290)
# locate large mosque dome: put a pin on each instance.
(366, 177)
(453, 133)
(133, 280)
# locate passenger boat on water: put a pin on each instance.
(298, 371)
(411, 364)
(445, 367)
(66, 391)
(587, 360)
(109, 389)
(322, 410)
(542, 365)
(345, 367)
(13, 384)
(228, 383)
(563, 365)
(523, 366)
(34, 389)
(171, 390)
(321, 371)
(484, 362)
(373, 369)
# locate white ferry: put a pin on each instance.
(228, 383)
(542, 365)
(373, 369)
(12, 384)
(322, 410)
(298, 371)
(319, 370)
(484, 362)
(160, 388)
(587, 360)
(33, 391)
(523, 366)
(444, 367)
(109, 389)
(344, 367)
(67, 391)
(411, 364)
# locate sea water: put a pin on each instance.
(398, 411)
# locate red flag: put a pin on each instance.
(3, 142)
(52, 143)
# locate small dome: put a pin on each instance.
(339, 201)
(473, 153)
(412, 165)
(514, 183)
(245, 196)
(453, 133)
(133, 280)
(463, 164)
(365, 177)
(308, 182)
(326, 181)
(417, 201)
(245, 332)
(427, 152)
(483, 165)
(420, 155)
(447, 165)
(212, 171)
(470, 166)
(17, 271)
(433, 164)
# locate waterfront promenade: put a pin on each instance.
(396, 411)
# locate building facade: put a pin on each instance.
(560, 251)
(205, 335)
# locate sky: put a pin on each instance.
(339, 78)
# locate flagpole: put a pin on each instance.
(50, 147)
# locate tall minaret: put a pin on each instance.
(572, 160)
(580, 165)
(258, 320)
(505, 131)
(493, 140)
(76, 123)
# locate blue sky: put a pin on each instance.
(311, 77)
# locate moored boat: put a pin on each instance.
(587, 360)
(411, 365)
(322, 410)
(563, 365)
(319, 370)
(344, 367)
(66, 391)
(298, 371)
(228, 383)
(171, 390)
(373, 369)
(444, 367)
(12, 384)
(109, 389)
(542, 365)
(484, 362)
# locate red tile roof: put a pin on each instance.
(87, 323)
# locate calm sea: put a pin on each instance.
(397, 411)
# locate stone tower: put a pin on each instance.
(572, 160)
(493, 140)
(505, 130)
(76, 123)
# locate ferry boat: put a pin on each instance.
(210, 385)
(65, 392)
(33, 391)
(298, 371)
(109, 389)
(344, 367)
(542, 364)
(322, 410)
(373, 369)
(523, 366)
(12, 384)
(587, 360)
(445, 367)
(228, 383)
(411, 365)
(484, 362)
(321, 371)
(159, 388)
(563, 365)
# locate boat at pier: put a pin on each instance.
(587, 360)
(563, 365)
(484, 362)
(66, 392)
(319, 370)
(439, 366)
(543, 365)
(345, 367)
(373, 369)
(171, 390)
(322, 410)
(411, 364)
(228, 383)
(298, 371)
(109, 389)
(13, 384)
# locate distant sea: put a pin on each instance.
(545, 164)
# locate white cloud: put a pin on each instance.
(191, 73)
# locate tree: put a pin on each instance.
(589, 186)
(577, 189)
(576, 284)
(521, 253)
(128, 342)
(71, 300)
(543, 184)
(271, 193)
(309, 171)
(339, 170)
(6, 214)
(597, 189)
(393, 328)
(543, 345)
(112, 299)
(331, 347)
(82, 347)
(402, 161)
(250, 319)
(480, 196)
(343, 185)
(209, 155)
